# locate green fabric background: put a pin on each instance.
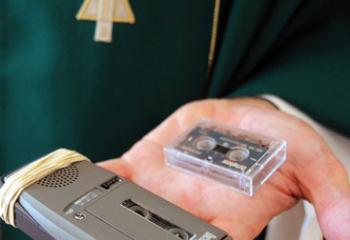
(58, 88)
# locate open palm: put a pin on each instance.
(311, 171)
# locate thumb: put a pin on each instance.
(321, 177)
(329, 192)
(334, 217)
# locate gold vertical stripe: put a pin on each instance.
(214, 34)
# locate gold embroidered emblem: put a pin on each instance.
(105, 13)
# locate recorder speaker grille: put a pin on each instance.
(61, 178)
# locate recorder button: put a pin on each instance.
(181, 234)
(79, 216)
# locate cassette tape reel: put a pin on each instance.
(238, 158)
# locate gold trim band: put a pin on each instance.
(214, 34)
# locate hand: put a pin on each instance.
(311, 171)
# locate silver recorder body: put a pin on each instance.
(84, 201)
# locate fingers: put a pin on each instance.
(329, 192)
(181, 120)
(118, 166)
(226, 111)
(238, 231)
(321, 178)
(334, 217)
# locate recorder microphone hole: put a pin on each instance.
(60, 178)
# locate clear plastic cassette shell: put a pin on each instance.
(235, 157)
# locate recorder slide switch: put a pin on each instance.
(110, 182)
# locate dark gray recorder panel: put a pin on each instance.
(84, 201)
